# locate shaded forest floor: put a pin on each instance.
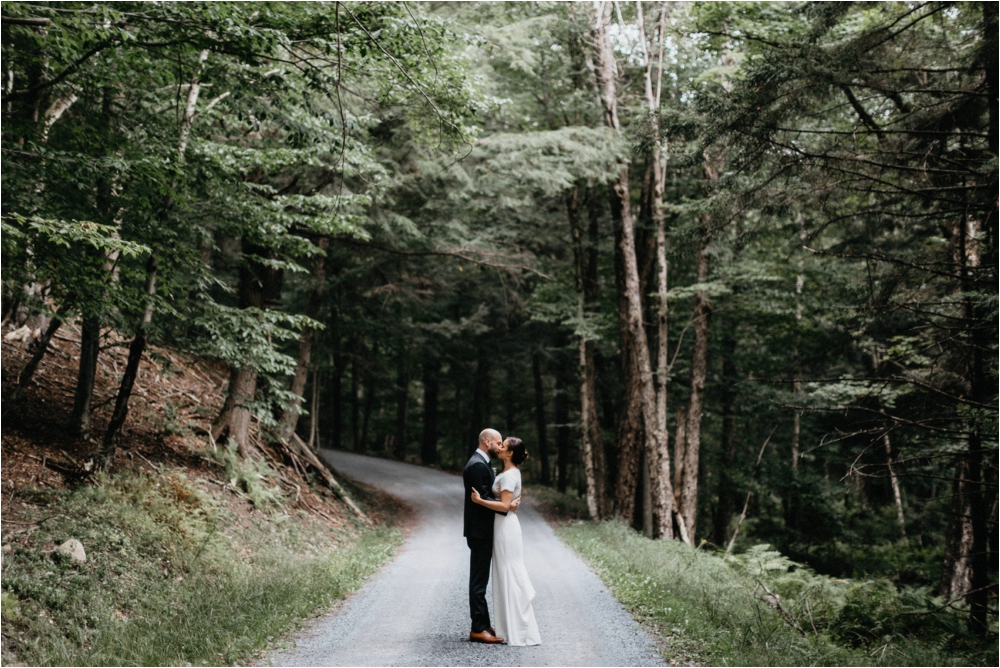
(192, 556)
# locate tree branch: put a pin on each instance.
(62, 75)
(459, 254)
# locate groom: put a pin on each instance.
(479, 532)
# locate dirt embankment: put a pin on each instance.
(171, 410)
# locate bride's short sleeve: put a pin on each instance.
(508, 483)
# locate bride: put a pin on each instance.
(512, 590)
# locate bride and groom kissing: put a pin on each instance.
(493, 534)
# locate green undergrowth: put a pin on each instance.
(708, 608)
(556, 505)
(174, 574)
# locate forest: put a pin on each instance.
(728, 269)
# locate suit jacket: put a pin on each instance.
(478, 519)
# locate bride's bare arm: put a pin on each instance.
(505, 503)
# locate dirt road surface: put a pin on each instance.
(415, 612)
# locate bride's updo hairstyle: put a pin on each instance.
(519, 453)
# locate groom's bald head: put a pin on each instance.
(489, 441)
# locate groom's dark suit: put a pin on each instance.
(479, 535)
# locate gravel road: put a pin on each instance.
(415, 612)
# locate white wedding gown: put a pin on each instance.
(512, 590)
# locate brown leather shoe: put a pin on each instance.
(485, 637)
(492, 632)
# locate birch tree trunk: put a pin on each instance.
(893, 478)
(896, 493)
(956, 574)
(660, 477)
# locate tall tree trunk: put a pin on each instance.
(886, 442)
(692, 435)
(894, 480)
(561, 401)
(235, 413)
(336, 439)
(428, 445)
(629, 438)
(654, 438)
(541, 428)
(233, 421)
(369, 390)
(290, 416)
(131, 370)
(586, 284)
(680, 444)
(957, 570)
(355, 396)
(629, 433)
(984, 338)
(402, 403)
(510, 390)
(90, 341)
(482, 397)
(593, 443)
(24, 378)
(726, 499)
(317, 383)
(991, 43)
(980, 337)
(800, 281)
(659, 222)
(91, 325)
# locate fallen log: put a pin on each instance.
(296, 445)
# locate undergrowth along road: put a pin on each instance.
(705, 608)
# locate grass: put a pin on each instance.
(173, 575)
(556, 505)
(706, 608)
